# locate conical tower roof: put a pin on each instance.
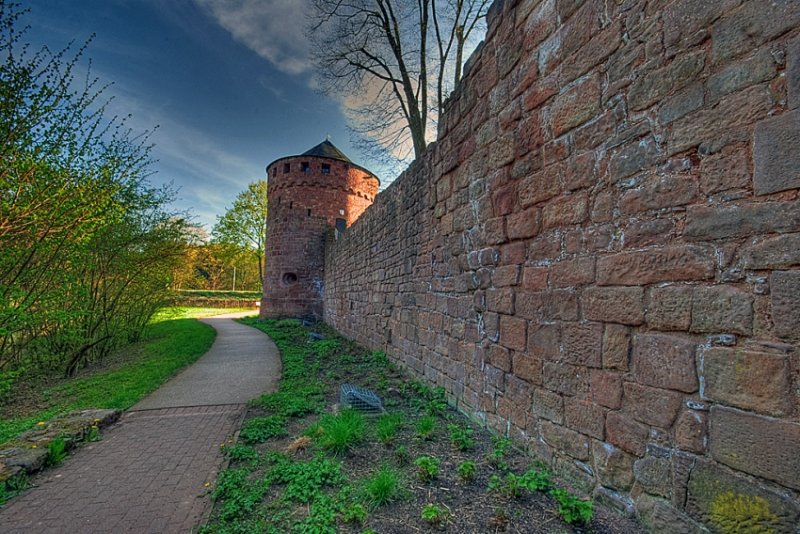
(326, 149)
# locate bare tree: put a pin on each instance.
(394, 62)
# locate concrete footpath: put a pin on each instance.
(152, 471)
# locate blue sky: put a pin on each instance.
(228, 82)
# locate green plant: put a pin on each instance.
(498, 454)
(426, 426)
(354, 513)
(56, 452)
(92, 434)
(13, 487)
(467, 470)
(434, 514)
(241, 453)
(461, 437)
(383, 487)
(401, 454)
(326, 347)
(512, 485)
(304, 480)
(387, 427)
(260, 429)
(338, 433)
(427, 468)
(571, 508)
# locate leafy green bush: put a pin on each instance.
(461, 437)
(571, 508)
(466, 470)
(427, 468)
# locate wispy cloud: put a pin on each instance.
(275, 30)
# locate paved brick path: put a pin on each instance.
(147, 475)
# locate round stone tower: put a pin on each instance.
(310, 196)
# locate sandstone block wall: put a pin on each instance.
(601, 254)
(307, 194)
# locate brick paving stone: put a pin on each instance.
(149, 471)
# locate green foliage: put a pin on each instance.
(427, 468)
(169, 344)
(512, 485)
(498, 454)
(426, 427)
(92, 434)
(383, 487)
(88, 245)
(241, 453)
(339, 433)
(260, 429)
(434, 514)
(326, 347)
(571, 508)
(13, 486)
(56, 452)
(387, 427)
(244, 225)
(467, 470)
(238, 494)
(354, 513)
(461, 437)
(401, 455)
(305, 480)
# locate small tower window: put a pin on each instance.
(305, 167)
(274, 172)
(326, 168)
(308, 213)
(289, 279)
(291, 205)
(286, 168)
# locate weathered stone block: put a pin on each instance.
(613, 304)
(753, 24)
(728, 502)
(658, 515)
(565, 211)
(576, 106)
(670, 308)
(775, 156)
(680, 105)
(756, 381)
(527, 367)
(571, 273)
(761, 446)
(755, 69)
(565, 378)
(614, 466)
(704, 223)
(654, 475)
(633, 158)
(513, 332)
(544, 341)
(785, 299)
(548, 405)
(652, 406)
(722, 309)
(566, 440)
(625, 433)
(523, 224)
(616, 347)
(774, 253)
(659, 191)
(691, 431)
(793, 73)
(582, 343)
(671, 263)
(665, 361)
(606, 388)
(728, 169)
(538, 187)
(500, 300)
(658, 83)
(585, 417)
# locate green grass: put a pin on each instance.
(171, 342)
(339, 433)
(383, 487)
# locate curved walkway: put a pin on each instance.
(149, 473)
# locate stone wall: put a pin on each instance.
(601, 254)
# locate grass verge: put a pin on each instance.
(173, 340)
(306, 465)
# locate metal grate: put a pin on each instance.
(360, 399)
